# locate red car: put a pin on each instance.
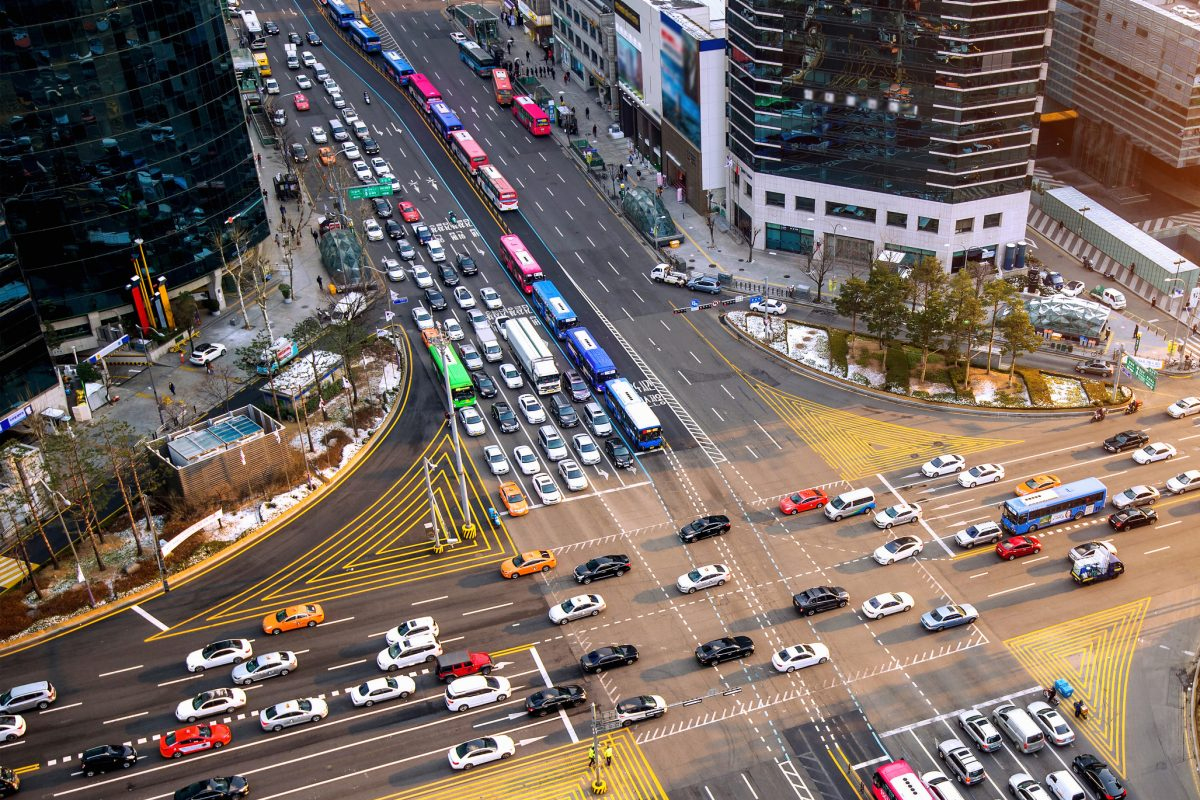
(301, 102)
(803, 500)
(408, 212)
(1019, 546)
(193, 739)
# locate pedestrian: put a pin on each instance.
(314, 234)
(1078, 708)
(277, 244)
(319, 283)
(566, 76)
(264, 195)
(587, 112)
(639, 174)
(592, 756)
(510, 45)
(658, 191)
(282, 210)
(258, 158)
(527, 56)
(171, 386)
(595, 131)
(292, 231)
(208, 367)
(1153, 301)
(608, 753)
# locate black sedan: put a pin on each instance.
(299, 154)
(619, 454)
(605, 658)
(294, 37)
(313, 39)
(1095, 773)
(383, 207)
(393, 229)
(484, 386)
(1126, 440)
(215, 789)
(503, 414)
(703, 528)
(724, 649)
(820, 598)
(435, 299)
(448, 274)
(602, 567)
(466, 265)
(1132, 518)
(106, 757)
(271, 28)
(547, 701)
(369, 146)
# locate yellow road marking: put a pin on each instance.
(847, 771)
(27, 768)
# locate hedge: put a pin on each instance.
(1035, 383)
(839, 349)
(895, 364)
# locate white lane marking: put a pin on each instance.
(1156, 550)
(488, 608)
(748, 786)
(718, 413)
(336, 621)
(119, 671)
(122, 719)
(1013, 589)
(181, 680)
(873, 761)
(146, 616)
(562, 712)
(976, 575)
(431, 600)
(769, 436)
(1167, 525)
(680, 374)
(347, 664)
(60, 708)
(920, 520)
(932, 720)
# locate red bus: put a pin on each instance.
(531, 116)
(423, 90)
(502, 87)
(467, 150)
(497, 189)
(896, 780)
(519, 263)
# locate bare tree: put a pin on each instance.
(120, 443)
(753, 238)
(219, 385)
(238, 238)
(818, 267)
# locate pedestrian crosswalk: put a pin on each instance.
(1186, 219)
(12, 572)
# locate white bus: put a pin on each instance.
(254, 31)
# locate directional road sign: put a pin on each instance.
(1143, 374)
(755, 298)
(367, 192)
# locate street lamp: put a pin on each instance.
(1177, 315)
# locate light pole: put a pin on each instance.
(1175, 333)
(62, 520)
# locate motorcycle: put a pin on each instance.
(366, 98)
(1133, 407)
(1099, 415)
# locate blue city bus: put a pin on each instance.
(634, 417)
(445, 120)
(363, 37)
(1070, 501)
(589, 357)
(340, 13)
(478, 59)
(396, 67)
(549, 304)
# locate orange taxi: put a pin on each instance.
(514, 501)
(326, 156)
(528, 564)
(1037, 484)
(308, 615)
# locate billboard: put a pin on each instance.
(680, 79)
(629, 65)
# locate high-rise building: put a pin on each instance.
(28, 382)
(859, 128)
(123, 122)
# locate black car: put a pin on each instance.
(393, 229)
(1095, 367)
(1132, 518)
(547, 701)
(820, 598)
(1126, 440)
(704, 528)
(106, 757)
(1095, 773)
(725, 649)
(602, 567)
(466, 265)
(369, 146)
(299, 154)
(271, 28)
(447, 274)
(619, 453)
(383, 208)
(435, 299)
(484, 386)
(294, 37)
(604, 658)
(313, 39)
(215, 789)
(577, 386)
(503, 414)
(564, 413)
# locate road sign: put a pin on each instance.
(755, 298)
(399, 301)
(695, 304)
(367, 192)
(1143, 374)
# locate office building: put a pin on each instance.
(28, 382)
(586, 40)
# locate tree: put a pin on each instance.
(305, 333)
(885, 312)
(927, 277)
(753, 238)
(249, 357)
(347, 339)
(927, 327)
(1019, 335)
(123, 449)
(78, 474)
(979, 271)
(996, 295)
(818, 268)
(852, 301)
(238, 238)
(966, 316)
(186, 312)
(220, 384)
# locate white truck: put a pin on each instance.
(293, 58)
(665, 273)
(1103, 565)
(533, 355)
(489, 345)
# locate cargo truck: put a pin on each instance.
(533, 355)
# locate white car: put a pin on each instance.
(572, 475)
(496, 460)
(552, 443)
(886, 604)
(586, 447)
(476, 690)
(511, 376)
(351, 153)
(643, 707)
(1064, 786)
(419, 649)
(380, 167)
(1089, 549)
(363, 172)
(218, 654)
(436, 251)
(477, 318)
(472, 421)
(271, 85)
(331, 86)
(769, 306)
(418, 626)
(943, 465)
(453, 330)
(205, 353)
(205, 704)
(12, 727)
(457, 37)
(373, 231)
(1051, 722)
(491, 298)
(981, 474)
(293, 712)
(337, 99)
(577, 607)
(1184, 482)
(531, 409)
(898, 549)
(422, 277)
(1136, 496)
(378, 690)
(547, 489)
(464, 298)
(899, 514)
(349, 116)
(481, 751)
(421, 318)
(261, 667)
(318, 135)
(394, 270)
(526, 460)
(1072, 288)
(308, 59)
(303, 82)
(799, 656)
(1022, 786)
(702, 578)
(1184, 407)
(1156, 451)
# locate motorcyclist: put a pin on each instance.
(1099, 415)
(366, 98)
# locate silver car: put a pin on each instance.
(293, 712)
(267, 665)
(1051, 722)
(26, 696)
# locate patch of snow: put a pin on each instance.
(985, 388)
(873, 376)
(1065, 391)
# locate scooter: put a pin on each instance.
(1099, 415)
(366, 98)
(1133, 407)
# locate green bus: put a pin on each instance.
(462, 391)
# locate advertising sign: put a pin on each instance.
(681, 79)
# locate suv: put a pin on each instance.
(1126, 440)
(461, 663)
(27, 696)
(564, 412)
(619, 454)
(820, 598)
(961, 762)
(705, 283)
(980, 730)
(983, 533)
(703, 528)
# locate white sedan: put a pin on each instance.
(981, 474)
(943, 465)
(271, 85)
(578, 607)
(422, 277)
(394, 270)
(1156, 451)
(491, 298)
(351, 153)
(472, 421)
(1051, 722)
(318, 134)
(293, 712)
(421, 318)
(1184, 482)
(642, 707)
(12, 727)
(898, 549)
(532, 409)
(219, 654)
(380, 167)
(303, 82)
(1184, 407)
(205, 704)
(453, 330)
(481, 751)
(573, 476)
(456, 37)
(1135, 496)
(799, 656)
(496, 460)
(702, 578)
(769, 306)
(527, 460)
(1072, 288)
(363, 171)
(204, 353)
(547, 489)
(899, 514)
(373, 231)
(886, 604)
(511, 376)
(377, 690)
(585, 446)
(462, 296)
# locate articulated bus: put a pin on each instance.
(517, 260)
(363, 37)
(340, 13)
(531, 116)
(502, 87)
(423, 90)
(1048, 507)
(396, 67)
(467, 150)
(444, 120)
(479, 60)
(462, 391)
(896, 780)
(548, 303)
(497, 189)
(628, 410)
(589, 358)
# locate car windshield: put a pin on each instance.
(466, 748)
(894, 545)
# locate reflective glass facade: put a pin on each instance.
(25, 366)
(123, 121)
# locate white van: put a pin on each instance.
(320, 73)
(942, 787)
(338, 131)
(1063, 786)
(1112, 298)
(1019, 727)
(476, 690)
(847, 504)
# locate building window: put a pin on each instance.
(789, 240)
(845, 211)
(776, 199)
(748, 189)
(964, 225)
(927, 224)
(806, 204)
(897, 220)
(992, 220)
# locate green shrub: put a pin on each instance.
(896, 368)
(922, 394)
(1035, 384)
(839, 349)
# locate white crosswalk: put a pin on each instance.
(12, 572)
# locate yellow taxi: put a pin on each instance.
(307, 615)
(528, 564)
(1037, 484)
(514, 501)
(326, 156)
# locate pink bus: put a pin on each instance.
(531, 116)
(423, 90)
(896, 780)
(497, 189)
(467, 150)
(519, 263)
